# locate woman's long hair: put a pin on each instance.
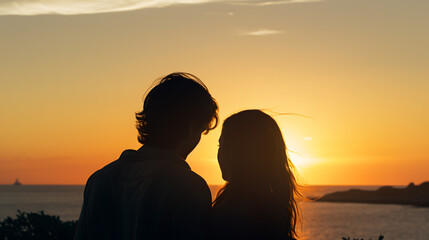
(252, 154)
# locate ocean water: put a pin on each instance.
(321, 221)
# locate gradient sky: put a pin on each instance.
(73, 73)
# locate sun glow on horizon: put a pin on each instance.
(301, 160)
(298, 152)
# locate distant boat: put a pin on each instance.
(17, 183)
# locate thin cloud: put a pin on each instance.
(74, 7)
(270, 3)
(229, 14)
(262, 32)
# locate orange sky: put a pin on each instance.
(70, 84)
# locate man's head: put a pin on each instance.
(179, 108)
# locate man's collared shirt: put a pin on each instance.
(145, 194)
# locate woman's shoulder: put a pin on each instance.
(246, 220)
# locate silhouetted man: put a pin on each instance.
(152, 193)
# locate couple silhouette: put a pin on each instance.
(152, 193)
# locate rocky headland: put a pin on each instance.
(416, 195)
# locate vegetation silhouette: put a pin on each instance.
(36, 226)
(259, 200)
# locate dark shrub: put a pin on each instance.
(36, 226)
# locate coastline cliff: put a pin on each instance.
(416, 195)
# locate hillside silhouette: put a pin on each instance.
(416, 195)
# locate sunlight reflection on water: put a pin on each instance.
(327, 221)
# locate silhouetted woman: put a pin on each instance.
(259, 198)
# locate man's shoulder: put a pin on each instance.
(135, 166)
(194, 186)
(170, 166)
(104, 173)
(111, 169)
(191, 178)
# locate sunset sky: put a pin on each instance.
(74, 72)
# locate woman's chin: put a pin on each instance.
(226, 178)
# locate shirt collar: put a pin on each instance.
(161, 153)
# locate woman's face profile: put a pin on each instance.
(224, 158)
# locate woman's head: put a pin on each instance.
(252, 156)
(251, 146)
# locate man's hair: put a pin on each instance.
(179, 101)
